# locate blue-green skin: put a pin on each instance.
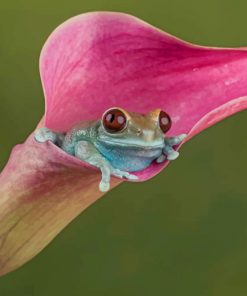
(130, 150)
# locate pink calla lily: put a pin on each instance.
(90, 63)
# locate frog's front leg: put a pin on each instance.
(168, 150)
(87, 152)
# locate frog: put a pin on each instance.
(119, 144)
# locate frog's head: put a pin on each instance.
(129, 129)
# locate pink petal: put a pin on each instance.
(42, 189)
(98, 60)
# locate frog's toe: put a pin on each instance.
(182, 137)
(161, 158)
(132, 177)
(104, 186)
(173, 155)
(125, 175)
(117, 173)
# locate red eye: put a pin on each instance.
(165, 121)
(114, 120)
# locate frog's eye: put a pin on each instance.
(164, 121)
(114, 120)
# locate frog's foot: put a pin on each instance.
(170, 153)
(43, 134)
(104, 186)
(122, 174)
(161, 158)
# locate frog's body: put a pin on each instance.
(119, 143)
(136, 160)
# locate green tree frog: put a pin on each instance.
(120, 143)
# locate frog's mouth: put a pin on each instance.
(129, 145)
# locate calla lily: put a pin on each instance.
(90, 63)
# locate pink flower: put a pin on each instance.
(90, 63)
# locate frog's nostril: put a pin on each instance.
(138, 132)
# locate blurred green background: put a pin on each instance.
(183, 232)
